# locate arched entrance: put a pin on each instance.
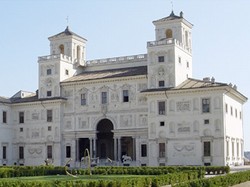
(105, 139)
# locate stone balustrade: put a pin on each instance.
(169, 42)
(134, 58)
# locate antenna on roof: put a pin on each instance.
(172, 6)
(67, 19)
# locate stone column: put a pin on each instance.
(134, 149)
(77, 150)
(91, 147)
(94, 147)
(115, 149)
(119, 149)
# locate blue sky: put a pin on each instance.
(122, 27)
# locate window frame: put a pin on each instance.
(4, 148)
(161, 83)
(104, 97)
(4, 119)
(161, 58)
(49, 115)
(206, 105)
(49, 71)
(68, 151)
(207, 148)
(162, 150)
(21, 117)
(83, 99)
(21, 152)
(49, 151)
(144, 150)
(161, 107)
(125, 96)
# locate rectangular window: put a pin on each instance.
(21, 129)
(162, 123)
(49, 151)
(179, 60)
(125, 96)
(206, 105)
(161, 150)
(4, 117)
(104, 98)
(161, 83)
(226, 108)
(206, 121)
(187, 64)
(161, 59)
(83, 99)
(161, 107)
(49, 93)
(49, 116)
(21, 152)
(207, 148)
(21, 117)
(49, 128)
(68, 152)
(143, 150)
(231, 108)
(49, 72)
(236, 113)
(4, 152)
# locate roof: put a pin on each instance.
(172, 16)
(4, 100)
(190, 84)
(33, 99)
(66, 32)
(110, 73)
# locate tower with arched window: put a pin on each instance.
(170, 55)
(67, 53)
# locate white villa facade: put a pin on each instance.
(145, 106)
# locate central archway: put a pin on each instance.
(105, 139)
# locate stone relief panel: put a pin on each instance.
(162, 134)
(183, 127)
(67, 125)
(114, 96)
(196, 126)
(35, 133)
(152, 107)
(152, 129)
(152, 81)
(83, 124)
(172, 105)
(142, 100)
(172, 127)
(142, 86)
(35, 151)
(207, 132)
(126, 120)
(217, 125)
(217, 104)
(35, 115)
(183, 106)
(195, 104)
(27, 133)
(143, 120)
(184, 149)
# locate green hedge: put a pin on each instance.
(222, 181)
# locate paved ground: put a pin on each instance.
(245, 184)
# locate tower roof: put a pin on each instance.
(66, 32)
(172, 16)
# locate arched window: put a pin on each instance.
(61, 48)
(169, 33)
